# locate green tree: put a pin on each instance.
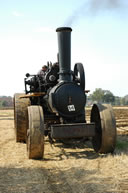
(98, 95)
(103, 96)
(108, 97)
(4, 103)
(117, 101)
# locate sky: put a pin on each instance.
(99, 40)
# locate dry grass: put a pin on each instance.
(65, 169)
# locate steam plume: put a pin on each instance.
(93, 7)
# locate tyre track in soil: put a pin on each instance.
(66, 168)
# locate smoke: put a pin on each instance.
(93, 7)
(97, 5)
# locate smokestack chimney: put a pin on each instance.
(64, 46)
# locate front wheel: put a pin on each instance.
(105, 127)
(35, 133)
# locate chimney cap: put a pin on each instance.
(64, 29)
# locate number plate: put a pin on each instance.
(71, 108)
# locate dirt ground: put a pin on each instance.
(72, 168)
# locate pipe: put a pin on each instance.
(64, 47)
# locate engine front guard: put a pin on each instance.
(77, 130)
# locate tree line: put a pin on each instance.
(106, 96)
(6, 101)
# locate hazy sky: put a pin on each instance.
(99, 40)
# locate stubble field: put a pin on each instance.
(66, 168)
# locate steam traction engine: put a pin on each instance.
(53, 105)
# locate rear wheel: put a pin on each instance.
(21, 117)
(105, 125)
(35, 134)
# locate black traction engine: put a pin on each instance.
(53, 105)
